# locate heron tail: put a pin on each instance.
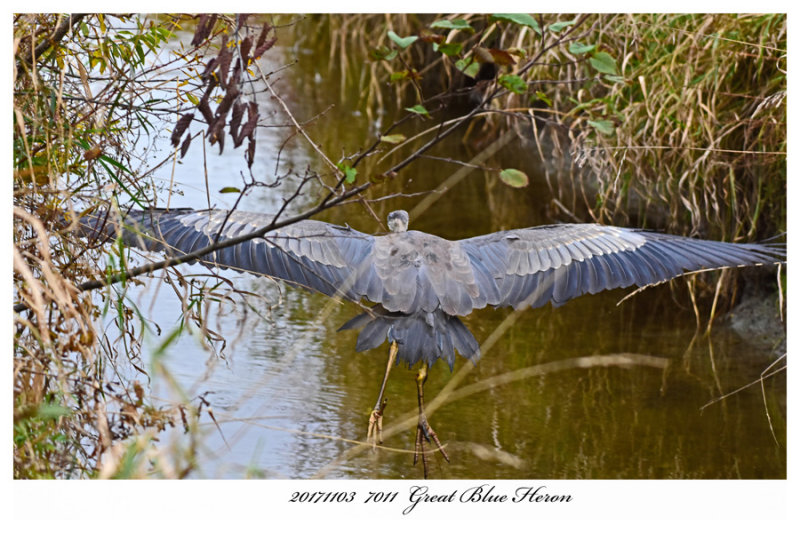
(420, 336)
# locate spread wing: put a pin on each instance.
(557, 263)
(413, 272)
(311, 254)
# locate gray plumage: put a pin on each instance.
(421, 283)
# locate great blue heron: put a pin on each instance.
(420, 283)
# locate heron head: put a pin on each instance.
(398, 221)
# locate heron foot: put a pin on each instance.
(425, 433)
(424, 429)
(375, 429)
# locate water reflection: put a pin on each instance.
(293, 393)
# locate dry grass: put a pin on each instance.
(700, 144)
(697, 115)
(81, 404)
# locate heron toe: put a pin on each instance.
(375, 429)
(426, 433)
(424, 430)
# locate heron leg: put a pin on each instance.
(375, 430)
(424, 429)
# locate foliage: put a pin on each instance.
(677, 122)
(700, 124)
(92, 94)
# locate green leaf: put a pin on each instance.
(349, 172)
(698, 79)
(603, 62)
(115, 163)
(395, 138)
(521, 19)
(448, 49)
(402, 42)
(468, 67)
(514, 178)
(558, 26)
(226, 190)
(457, 24)
(606, 127)
(398, 76)
(543, 97)
(513, 83)
(580, 48)
(382, 53)
(614, 79)
(51, 411)
(419, 110)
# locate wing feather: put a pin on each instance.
(568, 260)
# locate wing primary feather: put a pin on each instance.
(276, 260)
(587, 276)
(619, 275)
(564, 283)
(602, 270)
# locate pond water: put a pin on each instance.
(613, 391)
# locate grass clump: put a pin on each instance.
(674, 122)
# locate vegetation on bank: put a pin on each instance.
(669, 121)
(672, 121)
